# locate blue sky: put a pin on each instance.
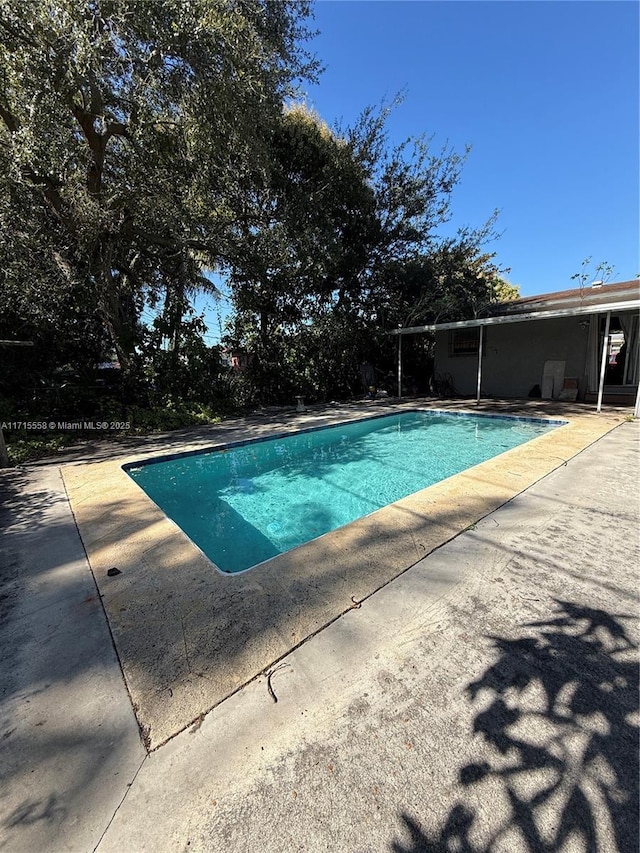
(547, 95)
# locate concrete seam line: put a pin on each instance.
(124, 797)
(104, 612)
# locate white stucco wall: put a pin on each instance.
(515, 356)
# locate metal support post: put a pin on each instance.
(480, 346)
(603, 361)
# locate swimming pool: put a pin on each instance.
(246, 503)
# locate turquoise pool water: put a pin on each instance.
(247, 503)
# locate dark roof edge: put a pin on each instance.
(586, 292)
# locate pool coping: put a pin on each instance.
(188, 638)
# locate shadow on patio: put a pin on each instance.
(558, 765)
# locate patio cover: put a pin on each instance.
(607, 300)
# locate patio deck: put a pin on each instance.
(188, 637)
(486, 699)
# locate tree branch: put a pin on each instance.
(50, 191)
(116, 128)
(17, 34)
(51, 195)
(173, 242)
(96, 142)
(9, 119)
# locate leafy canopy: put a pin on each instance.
(131, 136)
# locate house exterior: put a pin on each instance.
(236, 359)
(573, 344)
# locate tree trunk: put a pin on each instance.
(118, 307)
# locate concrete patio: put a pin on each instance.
(423, 701)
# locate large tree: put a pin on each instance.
(454, 280)
(132, 136)
(314, 227)
(349, 238)
(338, 207)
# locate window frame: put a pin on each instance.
(461, 348)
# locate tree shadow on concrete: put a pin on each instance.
(557, 716)
(59, 676)
(32, 811)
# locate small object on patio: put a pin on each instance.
(569, 392)
(270, 675)
(301, 406)
(197, 723)
(112, 572)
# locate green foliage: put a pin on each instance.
(142, 144)
(325, 357)
(186, 370)
(412, 185)
(454, 280)
(504, 291)
(348, 244)
(130, 137)
(25, 447)
(32, 447)
(603, 272)
(320, 360)
(315, 211)
(144, 421)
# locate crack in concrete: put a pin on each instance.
(117, 808)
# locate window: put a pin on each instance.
(466, 341)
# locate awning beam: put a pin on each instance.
(615, 307)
